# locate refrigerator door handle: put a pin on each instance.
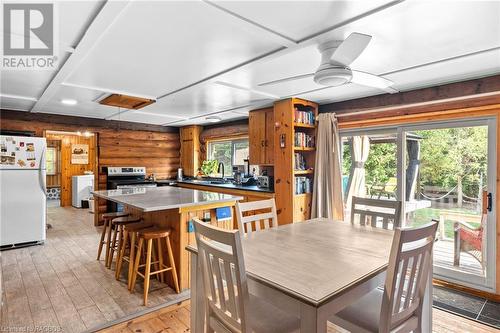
(42, 180)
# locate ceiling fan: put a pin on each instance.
(336, 56)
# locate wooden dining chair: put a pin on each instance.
(398, 307)
(229, 306)
(263, 215)
(376, 212)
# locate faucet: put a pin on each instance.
(221, 167)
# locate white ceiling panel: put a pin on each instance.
(297, 20)
(336, 94)
(145, 117)
(460, 69)
(204, 98)
(157, 47)
(225, 116)
(15, 104)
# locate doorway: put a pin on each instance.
(440, 171)
(53, 160)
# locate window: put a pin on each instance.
(51, 161)
(230, 152)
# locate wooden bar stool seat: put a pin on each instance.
(129, 237)
(118, 224)
(106, 232)
(156, 235)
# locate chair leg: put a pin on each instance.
(121, 254)
(161, 277)
(131, 259)
(108, 242)
(101, 242)
(172, 264)
(136, 265)
(112, 247)
(147, 271)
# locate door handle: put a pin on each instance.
(489, 205)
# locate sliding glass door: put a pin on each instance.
(440, 171)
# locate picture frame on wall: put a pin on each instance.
(79, 154)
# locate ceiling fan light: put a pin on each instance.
(333, 76)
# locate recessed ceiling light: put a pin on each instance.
(213, 119)
(69, 101)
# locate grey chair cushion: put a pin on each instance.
(364, 313)
(265, 317)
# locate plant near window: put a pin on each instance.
(209, 167)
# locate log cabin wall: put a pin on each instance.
(118, 143)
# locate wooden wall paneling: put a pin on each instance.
(269, 138)
(69, 170)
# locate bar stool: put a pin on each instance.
(117, 228)
(106, 233)
(149, 235)
(129, 236)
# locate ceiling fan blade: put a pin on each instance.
(351, 48)
(298, 77)
(370, 80)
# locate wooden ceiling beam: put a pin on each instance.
(472, 93)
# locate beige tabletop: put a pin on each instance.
(316, 260)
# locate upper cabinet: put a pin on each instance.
(261, 136)
(190, 149)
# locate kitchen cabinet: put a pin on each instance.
(190, 149)
(261, 136)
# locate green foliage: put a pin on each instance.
(445, 156)
(209, 167)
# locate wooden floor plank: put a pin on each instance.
(61, 282)
(173, 320)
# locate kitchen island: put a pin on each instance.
(174, 207)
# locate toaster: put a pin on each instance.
(264, 181)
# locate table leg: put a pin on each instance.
(197, 316)
(310, 320)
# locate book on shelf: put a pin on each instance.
(303, 140)
(304, 117)
(303, 185)
(300, 162)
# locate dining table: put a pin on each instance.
(311, 269)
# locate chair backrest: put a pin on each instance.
(263, 215)
(224, 278)
(407, 277)
(379, 213)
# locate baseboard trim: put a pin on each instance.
(467, 290)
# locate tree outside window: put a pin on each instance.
(230, 152)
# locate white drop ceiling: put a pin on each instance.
(200, 58)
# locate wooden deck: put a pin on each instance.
(443, 256)
(175, 319)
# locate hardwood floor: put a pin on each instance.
(61, 284)
(175, 319)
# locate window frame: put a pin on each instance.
(54, 162)
(234, 141)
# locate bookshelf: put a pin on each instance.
(295, 153)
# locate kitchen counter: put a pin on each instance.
(151, 199)
(253, 188)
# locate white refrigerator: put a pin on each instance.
(23, 207)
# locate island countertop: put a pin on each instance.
(151, 199)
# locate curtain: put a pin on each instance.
(327, 188)
(360, 149)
